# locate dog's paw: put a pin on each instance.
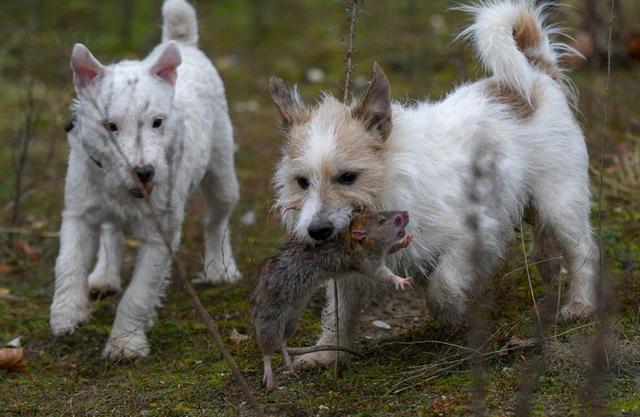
(219, 274)
(66, 318)
(314, 359)
(102, 285)
(576, 309)
(127, 346)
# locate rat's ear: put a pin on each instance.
(86, 68)
(288, 102)
(374, 108)
(166, 66)
(359, 234)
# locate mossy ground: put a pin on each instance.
(184, 375)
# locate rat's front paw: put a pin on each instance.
(402, 282)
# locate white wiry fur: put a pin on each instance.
(168, 111)
(465, 168)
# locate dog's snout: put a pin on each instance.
(320, 230)
(145, 173)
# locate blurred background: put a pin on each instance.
(303, 42)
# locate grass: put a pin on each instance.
(185, 375)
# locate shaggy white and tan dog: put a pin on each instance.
(465, 167)
(168, 115)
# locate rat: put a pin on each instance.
(287, 280)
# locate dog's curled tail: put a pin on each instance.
(512, 41)
(179, 22)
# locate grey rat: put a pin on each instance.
(287, 280)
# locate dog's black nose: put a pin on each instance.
(145, 173)
(320, 230)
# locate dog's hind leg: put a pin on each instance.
(563, 209)
(221, 191)
(105, 278)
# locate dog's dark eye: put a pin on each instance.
(111, 127)
(303, 182)
(348, 178)
(157, 123)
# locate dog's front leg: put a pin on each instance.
(137, 309)
(351, 291)
(70, 306)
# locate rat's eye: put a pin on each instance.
(348, 178)
(110, 126)
(303, 182)
(382, 221)
(157, 122)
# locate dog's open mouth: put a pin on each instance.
(139, 192)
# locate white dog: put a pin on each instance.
(168, 115)
(464, 167)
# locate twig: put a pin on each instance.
(593, 396)
(323, 348)
(348, 69)
(27, 232)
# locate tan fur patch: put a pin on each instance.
(514, 100)
(527, 35)
(526, 32)
(355, 149)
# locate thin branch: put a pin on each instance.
(348, 69)
(348, 66)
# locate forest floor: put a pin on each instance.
(417, 367)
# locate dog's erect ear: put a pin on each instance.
(288, 102)
(86, 68)
(359, 234)
(166, 66)
(374, 108)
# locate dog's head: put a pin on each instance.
(333, 160)
(129, 106)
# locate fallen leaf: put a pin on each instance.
(13, 359)
(517, 342)
(382, 324)
(24, 247)
(237, 337)
(5, 268)
(441, 405)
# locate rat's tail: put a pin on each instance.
(179, 22)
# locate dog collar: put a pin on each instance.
(69, 127)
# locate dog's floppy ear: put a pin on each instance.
(86, 68)
(166, 66)
(374, 108)
(288, 102)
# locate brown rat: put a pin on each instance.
(287, 280)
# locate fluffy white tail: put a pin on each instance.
(179, 22)
(512, 41)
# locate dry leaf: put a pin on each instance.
(5, 268)
(442, 404)
(237, 337)
(13, 359)
(517, 342)
(26, 248)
